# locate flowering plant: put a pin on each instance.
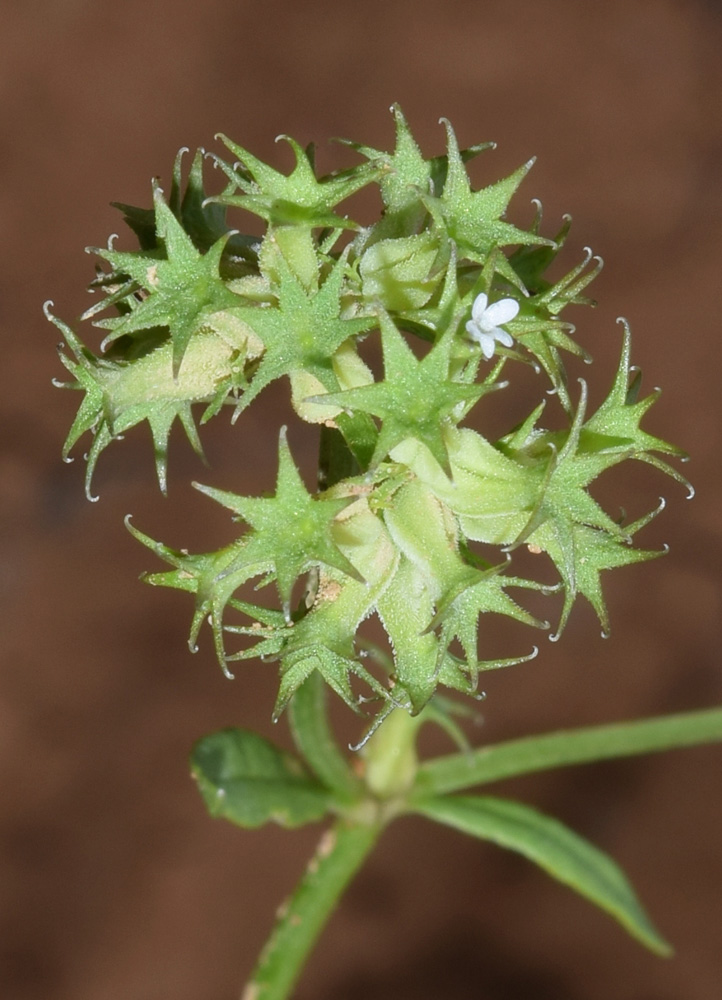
(418, 515)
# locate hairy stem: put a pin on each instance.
(314, 739)
(340, 853)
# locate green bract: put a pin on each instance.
(201, 314)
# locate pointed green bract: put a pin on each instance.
(474, 218)
(408, 178)
(581, 553)
(303, 333)
(458, 615)
(415, 399)
(183, 292)
(407, 172)
(298, 198)
(202, 319)
(620, 415)
(120, 394)
(291, 531)
(203, 220)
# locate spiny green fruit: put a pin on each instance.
(455, 295)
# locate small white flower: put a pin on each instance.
(485, 324)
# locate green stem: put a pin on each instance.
(576, 746)
(391, 757)
(308, 716)
(339, 855)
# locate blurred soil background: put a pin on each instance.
(113, 881)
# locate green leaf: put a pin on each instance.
(456, 772)
(554, 847)
(314, 739)
(249, 781)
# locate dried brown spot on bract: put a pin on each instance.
(328, 590)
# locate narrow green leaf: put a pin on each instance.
(248, 781)
(314, 739)
(576, 746)
(555, 848)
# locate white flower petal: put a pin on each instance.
(479, 306)
(504, 337)
(485, 325)
(487, 344)
(473, 330)
(501, 312)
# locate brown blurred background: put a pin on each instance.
(113, 882)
